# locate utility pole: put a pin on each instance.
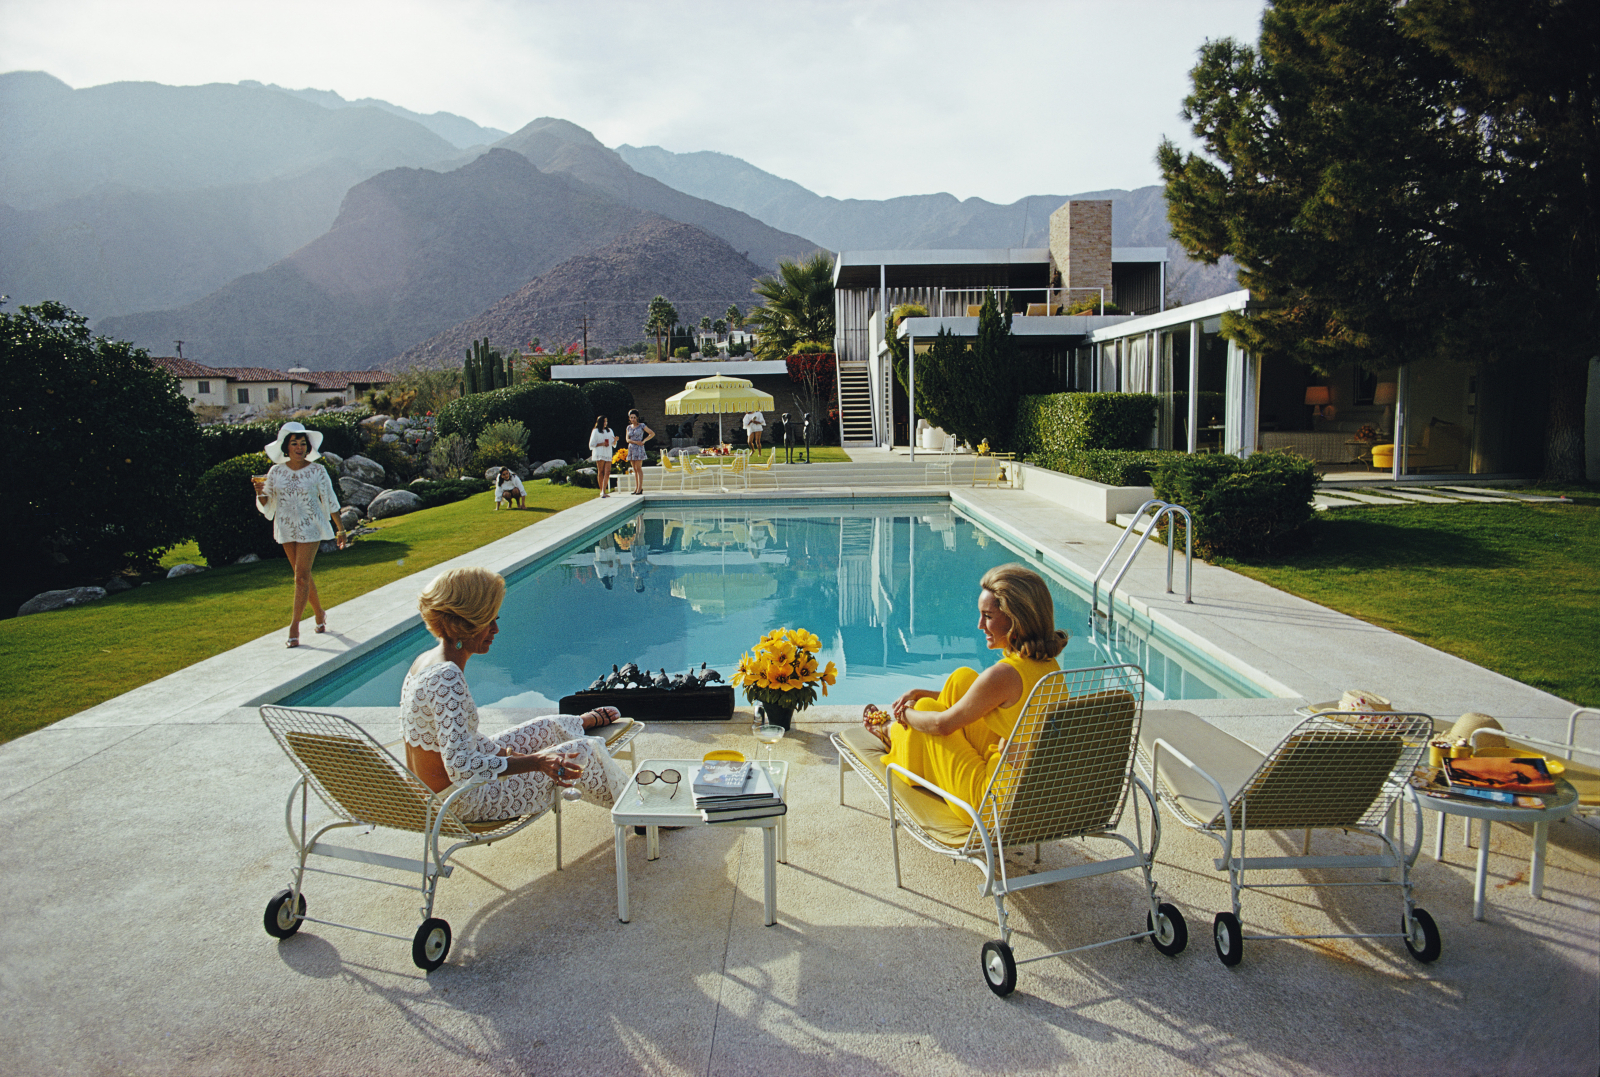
(585, 328)
(179, 343)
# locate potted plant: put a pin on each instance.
(781, 673)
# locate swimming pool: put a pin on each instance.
(890, 587)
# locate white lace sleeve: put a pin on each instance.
(330, 499)
(270, 509)
(438, 714)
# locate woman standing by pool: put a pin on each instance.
(601, 443)
(298, 498)
(637, 434)
(954, 737)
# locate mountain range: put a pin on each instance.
(273, 227)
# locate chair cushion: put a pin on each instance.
(937, 819)
(1226, 758)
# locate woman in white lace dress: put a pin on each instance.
(298, 498)
(461, 607)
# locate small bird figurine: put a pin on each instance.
(630, 674)
(660, 680)
(599, 684)
(615, 680)
(711, 676)
(682, 680)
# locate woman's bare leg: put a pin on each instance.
(638, 476)
(301, 555)
(605, 477)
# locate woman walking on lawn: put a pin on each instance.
(298, 498)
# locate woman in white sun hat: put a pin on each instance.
(298, 498)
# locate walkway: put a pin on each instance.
(1345, 495)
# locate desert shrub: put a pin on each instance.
(227, 524)
(1258, 506)
(341, 434)
(573, 475)
(450, 456)
(400, 465)
(502, 444)
(609, 398)
(1073, 422)
(556, 415)
(681, 353)
(434, 494)
(737, 349)
(1114, 467)
(1090, 304)
(102, 452)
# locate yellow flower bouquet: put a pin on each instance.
(781, 670)
(620, 456)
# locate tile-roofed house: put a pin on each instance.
(241, 390)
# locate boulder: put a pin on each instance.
(390, 439)
(363, 468)
(184, 569)
(335, 459)
(350, 516)
(329, 546)
(492, 475)
(356, 492)
(248, 559)
(395, 426)
(60, 600)
(374, 421)
(547, 467)
(118, 583)
(393, 503)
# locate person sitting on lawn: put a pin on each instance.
(509, 489)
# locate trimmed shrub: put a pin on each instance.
(681, 353)
(553, 412)
(609, 398)
(1114, 467)
(502, 444)
(227, 524)
(434, 494)
(401, 467)
(1258, 506)
(1072, 422)
(450, 456)
(341, 434)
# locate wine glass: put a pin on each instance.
(769, 735)
(570, 793)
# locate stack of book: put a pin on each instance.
(725, 791)
(1515, 783)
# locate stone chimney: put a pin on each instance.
(1080, 248)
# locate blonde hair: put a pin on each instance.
(1023, 596)
(461, 602)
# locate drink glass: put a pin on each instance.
(769, 735)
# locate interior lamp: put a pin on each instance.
(1317, 398)
(1385, 395)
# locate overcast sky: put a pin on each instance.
(865, 99)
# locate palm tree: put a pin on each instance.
(660, 318)
(799, 306)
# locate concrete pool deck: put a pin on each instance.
(145, 836)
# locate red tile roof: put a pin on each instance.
(319, 380)
(329, 380)
(184, 368)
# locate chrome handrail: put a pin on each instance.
(1163, 508)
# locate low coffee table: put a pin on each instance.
(660, 808)
(1557, 806)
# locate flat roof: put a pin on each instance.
(1077, 325)
(734, 368)
(1189, 312)
(859, 269)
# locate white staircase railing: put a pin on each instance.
(1164, 509)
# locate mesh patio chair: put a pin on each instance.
(1066, 773)
(365, 786)
(766, 470)
(1338, 770)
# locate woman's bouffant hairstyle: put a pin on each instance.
(1023, 596)
(462, 602)
(600, 422)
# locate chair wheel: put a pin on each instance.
(431, 944)
(1422, 935)
(999, 967)
(1171, 932)
(281, 920)
(1228, 937)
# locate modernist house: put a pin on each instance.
(244, 390)
(1456, 417)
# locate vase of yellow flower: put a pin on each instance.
(781, 672)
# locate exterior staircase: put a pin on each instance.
(855, 405)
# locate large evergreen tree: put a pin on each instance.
(1404, 181)
(799, 306)
(973, 392)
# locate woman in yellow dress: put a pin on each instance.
(954, 737)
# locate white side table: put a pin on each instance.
(1558, 805)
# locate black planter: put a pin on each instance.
(776, 715)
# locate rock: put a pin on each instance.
(395, 426)
(419, 482)
(492, 475)
(363, 468)
(350, 516)
(391, 439)
(356, 492)
(547, 467)
(60, 600)
(588, 471)
(329, 546)
(248, 559)
(374, 421)
(117, 583)
(393, 503)
(335, 459)
(185, 569)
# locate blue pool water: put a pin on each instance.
(891, 589)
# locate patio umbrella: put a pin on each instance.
(718, 395)
(710, 592)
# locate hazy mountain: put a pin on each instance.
(412, 253)
(698, 272)
(927, 222)
(457, 130)
(558, 146)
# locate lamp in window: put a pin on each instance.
(1385, 395)
(1317, 398)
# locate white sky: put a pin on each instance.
(865, 99)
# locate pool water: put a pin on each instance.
(891, 589)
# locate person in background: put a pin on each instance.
(298, 498)
(754, 424)
(637, 434)
(602, 442)
(508, 489)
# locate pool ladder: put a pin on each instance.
(1163, 509)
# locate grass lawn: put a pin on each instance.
(56, 664)
(1512, 588)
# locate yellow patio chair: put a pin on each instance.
(754, 471)
(669, 468)
(1066, 774)
(737, 464)
(1341, 770)
(365, 786)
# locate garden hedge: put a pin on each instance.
(557, 415)
(227, 524)
(1114, 467)
(434, 494)
(1259, 506)
(341, 434)
(609, 398)
(1073, 422)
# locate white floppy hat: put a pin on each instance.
(274, 450)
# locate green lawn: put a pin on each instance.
(1512, 588)
(56, 664)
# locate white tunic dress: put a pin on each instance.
(300, 504)
(437, 713)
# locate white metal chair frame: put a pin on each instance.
(1565, 748)
(753, 470)
(1063, 710)
(286, 911)
(1320, 739)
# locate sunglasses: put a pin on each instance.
(650, 777)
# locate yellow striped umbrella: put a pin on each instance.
(719, 395)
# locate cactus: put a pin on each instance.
(484, 369)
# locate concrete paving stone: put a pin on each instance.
(1369, 499)
(1419, 497)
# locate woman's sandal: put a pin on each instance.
(877, 722)
(599, 712)
(322, 624)
(294, 641)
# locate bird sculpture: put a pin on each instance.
(682, 680)
(710, 676)
(615, 680)
(630, 673)
(660, 680)
(598, 685)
